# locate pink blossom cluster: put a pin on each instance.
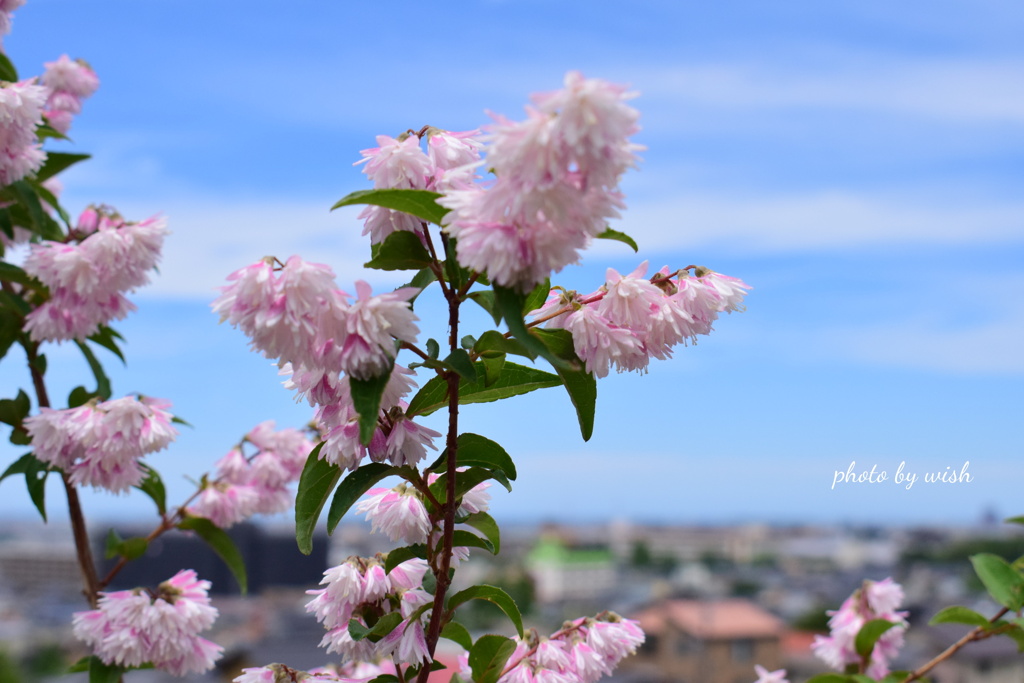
(449, 163)
(99, 444)
(21, 110)
(556, 187)
(6, 8)
(68, 82)
(873, 600)
(88, 279)
(350, 672)
(135, 627)
(766, 676)
(360, 586)
(583, 651)
(400, 514)
(631, 319)
(245, 485)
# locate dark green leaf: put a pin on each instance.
(102, 382)
(491, 594)
(467, 539)
(511, 304)
(316, 482)
(869, 634)
(51, 199)
(419, 203)
(36, 473)
(12, 273)
(401, 250)
(433, 348)
(485, 298)
(488, 657)
(610, 234)
(38, 221)
(537, 296)
(19, 466)
(514, 380)
(457, 633)
(959, 615)
(403, 554)
(385, 678)
(473, 450)
(829, 678)
(1004, 583)
(1015, 520)
(421, 281)
(366, 396)
(47, 131)
(354, 485)
(485, 524)
(468, 342)
(385, 625)
(132, 548)
(106, 337)
(104, 673)
(57, 162)
(465, 480)
(456, 275)
(221, 544)
(7, 71)
(492, 369)
(458, 360)
(153, 486)
(14, 410)
(493, 343)
(580, 384)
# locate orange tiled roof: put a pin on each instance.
(710, 619)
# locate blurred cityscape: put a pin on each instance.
(713, 600)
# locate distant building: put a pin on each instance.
(694, 641)
(563, 573)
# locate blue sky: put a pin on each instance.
(858, 163)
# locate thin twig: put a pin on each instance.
(977, 633)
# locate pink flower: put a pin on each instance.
(398, 513)
(397, 163)
(21, 110)
(766, 676)
(600, 344)
(131, 628)
(373, 323)
(73, 77)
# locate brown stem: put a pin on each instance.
(83, 549)
(977, 633)
(450, 505)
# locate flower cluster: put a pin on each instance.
(68, 82)
(350, 672)
(256, 484)
(360, 589)
(449, 163)
(873, 600)
(583, 650)
(399, 512)
(556, 187)
(631, 319)
(99, 444)
(133, 627)
(6, 8)
(88, 280)
(21, 110)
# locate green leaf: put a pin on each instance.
(458, 360)
(512, 306)
(959, 615)
(405, 553)
(493, 343)
(467, 539)
(36, 473)
(610, 234)
(457, 633)
(485, 298)
(7, 71)
(316, 482)
(366, 396)
(12, 273)
(51, 199)
(514, 380)
(491, 594)
(488, 657)
(353, 486)
(419, 203)
(473, 450)
(38, 221)
(421, 281)
(102, 382)
(57, 162)
(132, 548)
(401, 250)
(537, 296)
(385, 625)
(153, 486)
(492, 369)
(79, 396)
(829, 678)
(19, 466)
(221, 544)
(1014, 520)
(104, 673)
(869, 634)
(466, 480)
(485, 524)
(13, 411)
(1004, 583)
(107, 338)
(580, 384)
